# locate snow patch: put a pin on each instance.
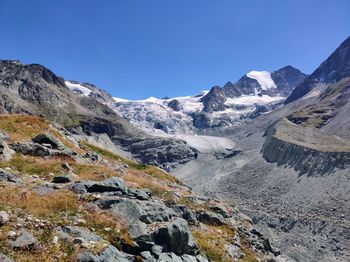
(254, 99)
(78, 88)
(207, 144)
(263, 78)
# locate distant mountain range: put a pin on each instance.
(255, 93)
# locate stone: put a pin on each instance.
(6, 152)
(11, 235)
(156, 250)
(169, 257)
(24, 240)
(112, 254)
(48, 139)
(92, 156)
(33, 149)
(4, 217)
(176, 237)
(8, 177)
(147, 256)
(69, 233)
(211, 218)
(139, 194)
(61, 179)
(87, 257)
(4, 258)
(113, 184)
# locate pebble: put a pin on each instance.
(12, 235)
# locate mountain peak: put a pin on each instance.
(334, 68)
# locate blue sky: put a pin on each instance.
(136, 49)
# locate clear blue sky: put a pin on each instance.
(136, 49)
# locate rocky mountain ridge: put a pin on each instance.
(255, 93)
(35, 90)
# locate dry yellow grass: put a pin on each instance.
(212, 239)
(34, 165)
(117, 227)
(22, 127)
(137, 179)
(50, 206)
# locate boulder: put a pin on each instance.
(24, 240)
(211, 218)
(68, 178)
(49, 141)
(176, 237)
(33, 149)
(113, 184)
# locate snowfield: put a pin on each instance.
(264, 79)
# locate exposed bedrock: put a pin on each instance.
(303, 159)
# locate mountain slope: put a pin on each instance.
(63, 199)
(336, 67)
(35, 90)
(291, 172)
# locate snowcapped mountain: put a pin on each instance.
(255, 93)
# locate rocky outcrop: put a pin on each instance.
(281, 148)
(162, 152)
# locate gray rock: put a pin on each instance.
(169, 257)
(211, 218)
(4, 258)
(33, 149)
(188, 258)
(92, 156)
(6, 152)
(133, 209)
(48, 139)
(87, 257)
(147, 256)
(69, 233)
(112, 254)
(25, 240)
(157, 250)
(139, 194)
(61, 179)
(8, 177)
(4, 136)
(113, 184)
(4, 217)
(176, 237)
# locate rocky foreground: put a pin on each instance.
(63, 199)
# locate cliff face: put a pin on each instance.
(304, 158)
